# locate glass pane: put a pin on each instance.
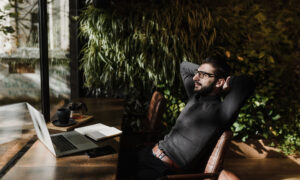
(58, 45)
(15, 123)
(19, 73)
(19, 52)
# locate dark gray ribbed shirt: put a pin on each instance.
(203, 119)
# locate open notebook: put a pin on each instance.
(98, 131)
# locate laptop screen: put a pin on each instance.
(40, 127)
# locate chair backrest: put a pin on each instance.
(215, 161)
(213, 169)
(155, 112)
(227, 175)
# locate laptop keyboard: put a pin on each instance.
(62, 143)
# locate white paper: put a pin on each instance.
(98, 131)
(90, 128)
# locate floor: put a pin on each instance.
(254, 160)
(268, 168)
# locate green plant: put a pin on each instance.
(136, 50)
(264, 42)
(135, 47)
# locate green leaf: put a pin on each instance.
(274, 118)
(271, 59)
(239, 127)
(261, 55)
(167, 92)
(270, 113)
(244, 138)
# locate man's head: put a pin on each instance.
(211, 75)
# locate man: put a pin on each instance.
(202, 121)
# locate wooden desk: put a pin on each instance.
(39, 163)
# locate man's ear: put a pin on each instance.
(220, 82)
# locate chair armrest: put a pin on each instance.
(190, 176)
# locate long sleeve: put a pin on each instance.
(201, 121)
(241, 87)
(187, 74)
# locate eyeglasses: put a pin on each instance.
(203, 74)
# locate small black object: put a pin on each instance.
(59, 124)
(63, 115)
(78, 106)
(100, 151)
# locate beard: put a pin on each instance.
(205, 90)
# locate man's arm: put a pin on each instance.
(240, 88)
(187, 74)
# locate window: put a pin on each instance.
(19, 52)
(20, 79)
(58, 48)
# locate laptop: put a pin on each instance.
(60, 144)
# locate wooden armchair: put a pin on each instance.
(152, 123)
(213, 169)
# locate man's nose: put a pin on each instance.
(196, 77)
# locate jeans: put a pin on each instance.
(141, 164)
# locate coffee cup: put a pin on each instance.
(63, 115)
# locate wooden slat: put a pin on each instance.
(10, 149)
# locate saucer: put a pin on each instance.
(57, 123)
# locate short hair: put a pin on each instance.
(222, 69)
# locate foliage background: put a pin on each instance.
(135, 47)
(3, 17)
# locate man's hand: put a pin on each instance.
(226, 84)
